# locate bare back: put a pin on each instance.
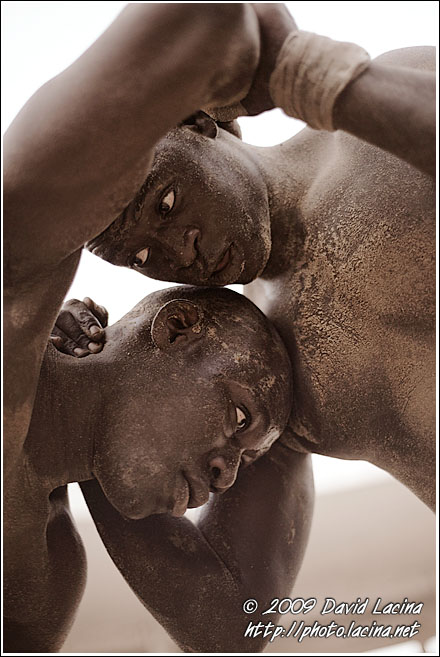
(356, 307)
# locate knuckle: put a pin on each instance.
(63, 316)
(71, 303)
(83, 340)
(86, 317)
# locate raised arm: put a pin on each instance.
(248, 544)
(80, 148)
(393, 107)
(388, 102)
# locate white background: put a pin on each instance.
(39, 39)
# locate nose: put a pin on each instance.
(188, 252)
(223, 472)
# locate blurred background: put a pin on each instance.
(370, 536)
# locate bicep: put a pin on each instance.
(392, 107)
(173, 571)
(45, 568)
(81, 147)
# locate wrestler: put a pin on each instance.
(337, 227)
(164, 415)
(73, 158)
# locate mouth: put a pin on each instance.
(228, 269)
(224, 260)
(181, 500)
(199, 492)
(192, 494)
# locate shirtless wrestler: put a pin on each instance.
(337, 228)
(73, 158)
(165, 414)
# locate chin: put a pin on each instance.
(246, 278)
(132, 505)
(133, 510)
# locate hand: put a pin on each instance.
(275, 24)
(79, 329)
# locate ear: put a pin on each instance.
(202, 124)
(178, 322)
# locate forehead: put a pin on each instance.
(186, 154)
(247, 363)
(178, 147)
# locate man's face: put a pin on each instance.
(202, 217)
(208, 407)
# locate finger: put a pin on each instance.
(88, 318)
(99, 311)
(57, 341)
(74, 328)
(67, 346)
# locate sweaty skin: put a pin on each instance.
(338, 230)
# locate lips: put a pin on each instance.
(224, 261)
(199, 493)
(192, 494)
(181, 500)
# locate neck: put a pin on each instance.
(59, 446)
(288, 170)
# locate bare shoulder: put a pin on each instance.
(421, 58)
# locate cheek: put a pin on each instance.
(131, 477)
(129, 466)
(257, 236)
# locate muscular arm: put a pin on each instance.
(394, 108)
(248, 544)
(80, 148)
(390, 105)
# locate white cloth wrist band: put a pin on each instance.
(310, 73)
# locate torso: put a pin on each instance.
(356, 311)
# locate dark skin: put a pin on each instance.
(92, 193)
(142, 463)
(71, 166)
(337, 232)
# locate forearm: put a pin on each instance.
(249, 544)
(333, 85)
(260, 527)
(80, 149)
(393, 108)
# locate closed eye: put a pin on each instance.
(167, 202)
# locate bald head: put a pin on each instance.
(201, 217)
(200, 377)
